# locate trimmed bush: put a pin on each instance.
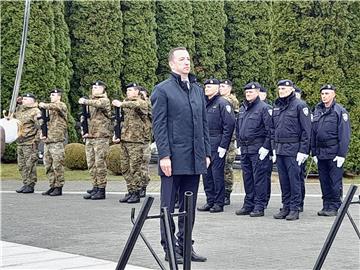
(75, 157)
(10, 155)
(113, 159)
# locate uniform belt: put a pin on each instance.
(287, 140)
(252, 142)
(323, 144)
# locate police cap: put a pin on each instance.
(297, 89)
(56, 90)
(263, 89)
(328, 87)
(285, 83)
(227, 82)
(252, 85)
(29, 95)
(99, 83)
(212, 81)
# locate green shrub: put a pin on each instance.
(10, 155)
(75, 157)
(113, 159)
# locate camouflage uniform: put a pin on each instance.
(97, 142)
(231, 154)
(133, 141)
(28, 141)
(54, 154)
(147, 148)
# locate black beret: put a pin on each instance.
(285, 83)
(29, 95)
(56, 90)
(327, 87)
(99, 83)
(132, 85)
(143, 89)
(252, 85)
(297, 89)
(228, 82)
(212, 81)
(263, 89)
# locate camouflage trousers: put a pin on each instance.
(145, 164)
(27, 157)
(96, 153)
(229, 171)
(132, 160)
(54, 158)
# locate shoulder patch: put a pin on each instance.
(345, 116)
(270, 111)
(306, 111)
(228, 108)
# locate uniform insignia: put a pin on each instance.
(306, 111)
(345, 117)
(312, 117)
(253, 86)
(214, 107)
(228, 108)
(287, 83)
(270, 112)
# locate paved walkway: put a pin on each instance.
(15, 256)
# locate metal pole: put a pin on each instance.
(145, 208)
(169, 237)
(335, 227)
(188, 221)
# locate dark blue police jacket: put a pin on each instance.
(180, 125)
(253, 128)
(221, 122)
(330, 131)
(292, 126)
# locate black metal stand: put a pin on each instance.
(166, 218)
(336, 225)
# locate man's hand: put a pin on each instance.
(238, 151)
(207, 162)
(263, 152)
(116, 103)
(339, 161)
(165, 165)
(274, 156)
(221, 152)
(115, 140)
(41, 105)
(42, 137)
(301, 158)
(82, 100)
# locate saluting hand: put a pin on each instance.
(165, 165)
(41, 105)
(116, 103)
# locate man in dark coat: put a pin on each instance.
(181, 133)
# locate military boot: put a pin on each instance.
(56, 192)
(90, 190)
(88, 196)
(135, 197)
(282, 213)
(28, 189)
(126, 197)
(99, 195)
(293, 215)
(48, 191)
(227, 199)
(143, 192)
(20, 190)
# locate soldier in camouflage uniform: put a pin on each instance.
(225, 91)
(98, 138)
(27, 113)
(132, 141)
(54, 154)
(147, 145)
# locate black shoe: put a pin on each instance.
(216, 209)
(91, 190)
(142, 192)
(293, 215)
(178, 258)
(257, 213)
(28, 189)
(227, 200)
(194, 256)
(330, 213)
(48, 191)
(99, 195)
(56, 192)
(205, 207)
(282, 214)
(88, 196)
(125, 198)
(301, 209)
(20, 190)
(242, 212)
(135, 198)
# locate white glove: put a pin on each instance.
(274, 156)
(339, 161)
(315, 160)
(263, 153)
(221, 152)
(301, 158)
(238, 151)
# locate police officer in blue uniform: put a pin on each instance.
(253, 135)
(329, 145)
(298, 92)
(291, 145)
(221, 123)
(263, 97)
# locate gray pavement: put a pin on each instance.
(99, 229)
